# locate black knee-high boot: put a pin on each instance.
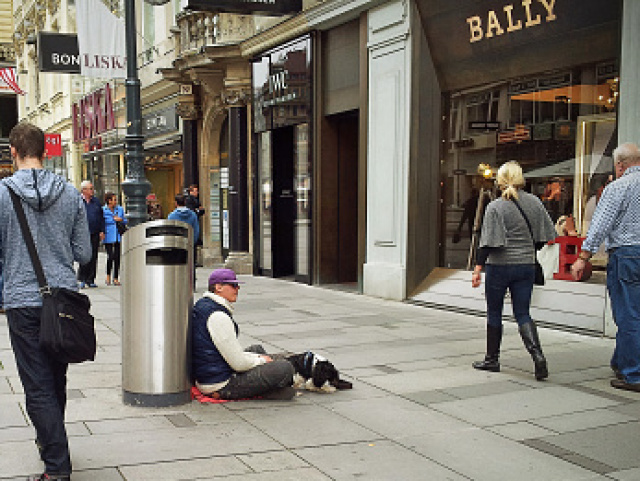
(529, 335)
(491, 359)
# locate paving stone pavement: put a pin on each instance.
(418, 411)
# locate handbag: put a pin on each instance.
(538, 279)
(67, 331)
(121, 227)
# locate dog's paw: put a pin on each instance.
(298, 381)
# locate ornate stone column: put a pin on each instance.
(239, 258)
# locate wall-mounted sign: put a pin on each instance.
(53, 145)
(93, 115)
(282, 86)
(160, 121)
(480, 125)
(58, 52)
(246, 7)
(474, 42)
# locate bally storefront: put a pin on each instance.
(550, 84)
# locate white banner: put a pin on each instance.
(101, 41)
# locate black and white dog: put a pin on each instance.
(316, 373)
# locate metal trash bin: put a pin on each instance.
(157, 297)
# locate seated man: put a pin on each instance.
(219, 365)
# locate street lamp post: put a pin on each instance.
(135, 186)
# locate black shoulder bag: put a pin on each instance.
(539, 273)
(67, 330)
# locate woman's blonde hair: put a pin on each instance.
(510, 179)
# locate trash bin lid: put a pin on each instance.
(158, 233)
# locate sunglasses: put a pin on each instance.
(236, 286)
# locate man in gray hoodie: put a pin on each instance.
(58, 223)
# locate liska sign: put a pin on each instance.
(93, 114)
(58, 52)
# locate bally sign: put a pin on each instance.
(93, 115)
(473, 42)
(509, 21)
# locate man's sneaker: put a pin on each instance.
(82, 285)
(93, 284)
(50, 477)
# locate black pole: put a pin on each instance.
(135, 186)
(238, 205)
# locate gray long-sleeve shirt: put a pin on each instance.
(505, 230)
(58, 224)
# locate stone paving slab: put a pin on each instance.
(370, 461)
(417, 411)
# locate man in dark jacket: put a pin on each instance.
(58, 223)
(186, 215)
(95, 218)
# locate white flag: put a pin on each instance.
(101, 41)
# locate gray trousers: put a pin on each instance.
(260, 379)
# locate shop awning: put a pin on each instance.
(163, 144)
(567, 168)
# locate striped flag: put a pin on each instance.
(8, 76)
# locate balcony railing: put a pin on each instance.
(195, 30)
(7, 52)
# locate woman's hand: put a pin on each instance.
(476, 277)
(266, 358)
(117, 218)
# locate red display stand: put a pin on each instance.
(570, 247)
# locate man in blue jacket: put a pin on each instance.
(184, 214)
(95, 218)
(58, 223)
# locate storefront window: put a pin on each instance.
(302, 185)
(560, 127)
(265, 189)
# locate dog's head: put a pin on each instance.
(324, 372)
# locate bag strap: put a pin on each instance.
(28, 239)
(528, 223)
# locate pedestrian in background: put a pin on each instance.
(184, 214)
(616, 222)
(95, 218)
(506, 251)
(113, 213)
(58, 222)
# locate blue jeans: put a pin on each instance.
(44, 381)
(623, 284)
(518, 278)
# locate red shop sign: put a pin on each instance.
(53, 145)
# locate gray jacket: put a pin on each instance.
(503, 226)
(58, 224)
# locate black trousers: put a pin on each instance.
(87, 272)
(113, 258)
(44, 381)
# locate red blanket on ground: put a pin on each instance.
(203, 398)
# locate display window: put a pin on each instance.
(560, 126)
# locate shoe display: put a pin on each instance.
(627, 386)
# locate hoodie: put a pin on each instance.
(58, 223)
(185, 214)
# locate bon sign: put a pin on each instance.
(53, 145)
